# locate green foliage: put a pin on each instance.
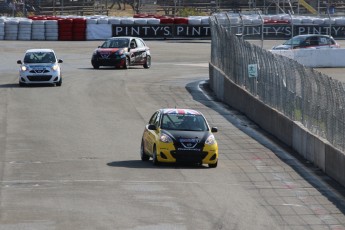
(185, 12)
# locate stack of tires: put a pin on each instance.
(180, 21)
(2, 29)
(25, 30)
(52, 30)
(166, 20)
(11, 29)
(79, 29)
(65, 29)
(38, 30)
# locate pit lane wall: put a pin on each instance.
(316, 58)
(278, 99)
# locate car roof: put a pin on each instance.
(39, 50)
(312, 35)
(180, 111)
(122, 37)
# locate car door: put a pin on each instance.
(133, 50)
(326, 42)
(150, 136)
(141, 51)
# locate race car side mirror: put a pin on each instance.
(151, 127)
(19, 62)
(60, 61)
(214, 129)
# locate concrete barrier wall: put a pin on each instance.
(266, 117)
(314, 149)
(334, 163)
(309, 146)
(315, 57)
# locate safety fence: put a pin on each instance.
(300, 93)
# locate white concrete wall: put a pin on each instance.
(331, 57)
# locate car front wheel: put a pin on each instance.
(154, 157)
(213, 165)
(126, 65)
(148, 62)
(95, 65)
(59, 83)
(143, 155)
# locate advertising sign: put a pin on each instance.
(283, 31)
(162, 31)
(270, 31)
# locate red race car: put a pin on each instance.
(122, 52)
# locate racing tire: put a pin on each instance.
(126, 65)
(213, 165)
(21, 84)
(143, 155)
(59, 83)
(95, 66)
(147, 64)
(154, 157)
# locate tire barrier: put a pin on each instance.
(25, 30)
(2, 30)
(11, 30)
(79, 28)
(38, 30)
(51, 30)
(65, 29)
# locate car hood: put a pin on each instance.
(282, 47)
(187, 136)
(107, 50)
(39, 66)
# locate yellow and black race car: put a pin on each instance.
(179, 135)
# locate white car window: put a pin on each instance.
(324, 41)
(39, 57)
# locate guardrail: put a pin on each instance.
(303, 108)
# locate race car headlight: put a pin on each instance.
(165, 138)
(55, 67)
(119, 52)
(210, 140)
(23, 68)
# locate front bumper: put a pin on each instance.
(49, 78)
(167, 153)
(113, 61)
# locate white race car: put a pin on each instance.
(40, 66)
(308, 41)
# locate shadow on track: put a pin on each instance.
(148, 164)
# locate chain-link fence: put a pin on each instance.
(300, 93)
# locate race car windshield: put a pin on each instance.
(39, 57)
(184, 122)
(294, 41)
(115, 43)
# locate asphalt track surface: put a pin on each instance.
(69, 155)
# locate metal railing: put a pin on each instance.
(300, 93)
